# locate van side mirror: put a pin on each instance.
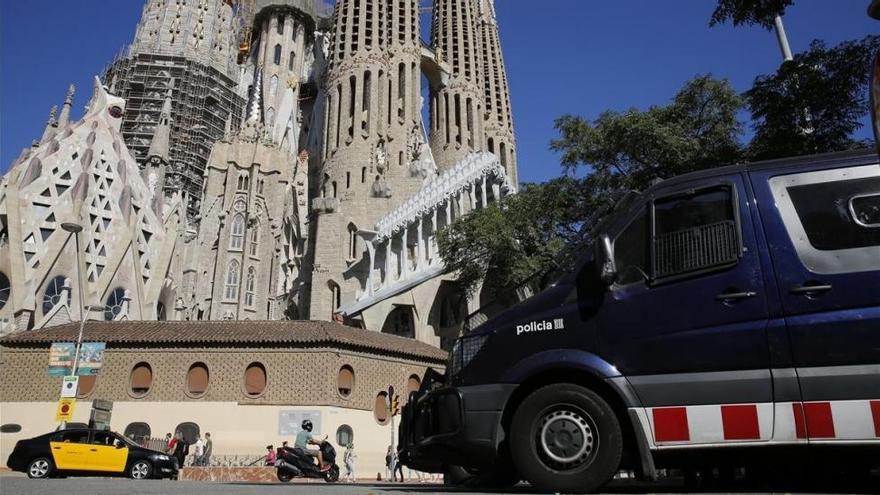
(605, 260)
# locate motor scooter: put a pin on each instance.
(292, 463)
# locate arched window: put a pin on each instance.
(380, 408)
(160, 312)
(290, 61)
(54, 293)
(334, 188)
(400, 322)
(277, 58)
(232, 275)
(254, 379)
(255, 240)
(352, 241)
(114, 303)
(335, 296)
(345, 381)
(344, 436)
(249, 283)
(363, 175)
(273, 85)
(141, 379)
(5, 289)
(197, 380)
(270, 117)
(138, 431)
(236, 238)
(279, 25)
(85, 386)
(190, 432)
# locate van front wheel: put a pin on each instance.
(566, 438)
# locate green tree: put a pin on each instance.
(749, 12)
(814, 103)
(631, 149)
(499, 246)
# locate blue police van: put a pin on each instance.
(722, 317)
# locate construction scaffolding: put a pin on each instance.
(203, 99)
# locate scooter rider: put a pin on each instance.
(304, 438)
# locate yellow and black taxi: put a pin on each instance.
(88, 452)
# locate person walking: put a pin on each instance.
(209, 446)
(180, 449)
(349, 458)
(170, 443)
(388, 464)
(199, 447)
(396, 467)
(270, 455)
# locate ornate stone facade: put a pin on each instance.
(321, 202)
(82, 173)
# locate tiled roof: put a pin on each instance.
(241, 332)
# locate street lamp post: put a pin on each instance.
(75, 229)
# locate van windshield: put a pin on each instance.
(547, 277)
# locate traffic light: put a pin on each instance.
(395, 405)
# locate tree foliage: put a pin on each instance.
(749, 12)
(631, 149)
(814, 103)
(498, 246)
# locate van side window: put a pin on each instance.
(630, 252)
(694, 233)
(832, 217)
(840, 214)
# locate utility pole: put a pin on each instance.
(782, 38)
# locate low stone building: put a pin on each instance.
(249, 384)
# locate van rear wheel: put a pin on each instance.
(566, 438)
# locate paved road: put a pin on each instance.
(20, 485)
(107, 486)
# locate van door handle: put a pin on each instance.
(735, 296)
(810, 289)
(94, 450)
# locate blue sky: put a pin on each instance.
(567, 56)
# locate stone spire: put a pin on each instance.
(64, 119)
(456, 108)
(498, 124)
(51, 125)
(160, 146)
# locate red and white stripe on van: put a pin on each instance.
(783, 422)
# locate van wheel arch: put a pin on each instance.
(584, 379)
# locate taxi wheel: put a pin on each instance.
(40, 467)
(140, 470)
(566, 438)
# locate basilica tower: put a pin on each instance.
(457, 109)
(498, 125)
(372, 124)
